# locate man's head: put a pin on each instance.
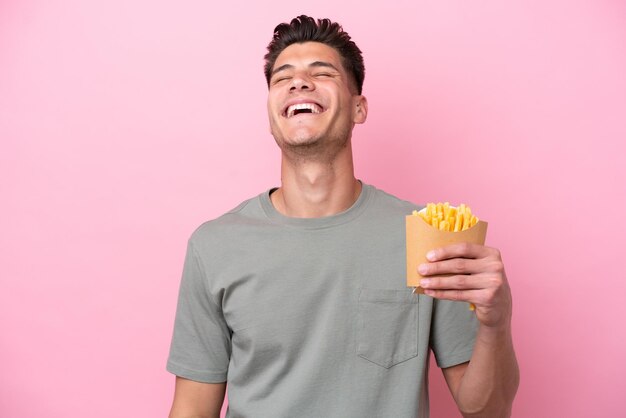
(306, 29)
(313, 103)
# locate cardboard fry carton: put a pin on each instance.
(422, 237)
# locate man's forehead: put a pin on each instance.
(308, 53)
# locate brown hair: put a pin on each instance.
(306, 29)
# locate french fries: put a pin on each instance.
(444, 217)
(448, 218)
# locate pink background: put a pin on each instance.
(125, 124)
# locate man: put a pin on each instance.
(297, 298)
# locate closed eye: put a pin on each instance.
(278, 80)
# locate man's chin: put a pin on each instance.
(299, 139)
(301, 146)
(301, 143)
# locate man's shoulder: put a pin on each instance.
(393, 203)
(247, 213)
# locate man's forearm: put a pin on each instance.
(196, 399)
(491, 379)
(194, 416)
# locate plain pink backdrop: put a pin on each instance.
(125, 124)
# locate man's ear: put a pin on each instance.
(360, 109)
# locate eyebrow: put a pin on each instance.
(313, 64)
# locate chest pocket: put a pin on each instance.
(387, 326)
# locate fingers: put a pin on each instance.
(471, 273)
(458, 282)
(451, 266)
(482, 290)
(463, 258)
(456, 295)
(462, 250)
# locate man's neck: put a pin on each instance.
(314, 189)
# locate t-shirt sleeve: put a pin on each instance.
(453, 332)
(201, 343)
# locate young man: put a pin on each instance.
(297, 298)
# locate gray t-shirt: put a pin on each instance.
(312, 317)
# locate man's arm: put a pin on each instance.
(486, 386)
(197, 400)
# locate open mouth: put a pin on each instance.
(300, 108)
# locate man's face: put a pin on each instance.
(311, 103)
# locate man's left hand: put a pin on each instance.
(477, 276)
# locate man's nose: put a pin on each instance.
(301, 82)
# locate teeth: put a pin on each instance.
(300, 106)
